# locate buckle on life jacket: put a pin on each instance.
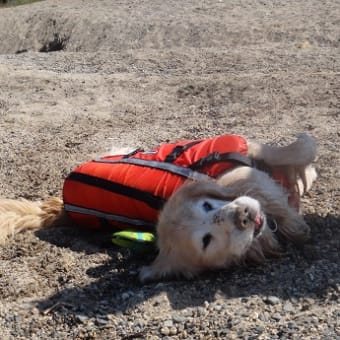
(178, 150)
(133, 152)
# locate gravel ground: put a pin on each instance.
(139, 73)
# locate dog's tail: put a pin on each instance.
(20, 215)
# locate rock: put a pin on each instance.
(165, 331)
(173, 331)
(272, 300)
(276, 317)
(101, 321)
(178, 318)
(168, 323)
(82, 318)
(288, 307)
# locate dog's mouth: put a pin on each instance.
(259, 222)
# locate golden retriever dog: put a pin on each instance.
(210, 224)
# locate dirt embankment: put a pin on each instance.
(78, 76)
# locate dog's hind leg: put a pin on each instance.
(301, 152)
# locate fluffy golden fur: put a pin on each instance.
(212, 224)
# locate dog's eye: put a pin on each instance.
(206, 240)
(207, 206)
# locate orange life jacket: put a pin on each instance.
(129, 190)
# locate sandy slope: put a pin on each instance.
(139, 73)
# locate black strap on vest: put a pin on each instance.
(216, 157)
(118, 188)
(178, 150)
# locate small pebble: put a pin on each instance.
(82, 318)
(165, 331)
(168, 323)
(272, 300)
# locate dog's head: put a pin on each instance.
(203, 226)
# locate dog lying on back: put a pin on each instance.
(210, 224)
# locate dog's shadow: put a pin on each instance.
(309, 271)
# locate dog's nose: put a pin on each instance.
(244, 216)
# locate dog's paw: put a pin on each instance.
(305, 149)
(160, 270)
(306, 177)
(300, 178)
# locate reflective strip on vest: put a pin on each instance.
(175, 169)
(106, 216)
